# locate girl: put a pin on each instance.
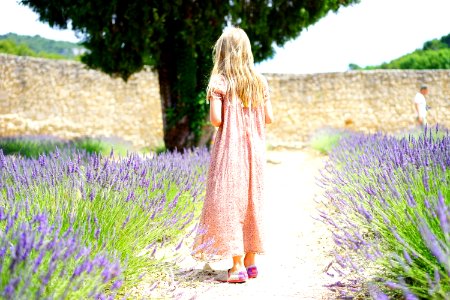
(231, 220)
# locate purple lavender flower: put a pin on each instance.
(111, 272)
(443, 214)
(425, 180)
(130, 196)
(125, 222)
(410, 198)
(407, 257)
(376, 294)
(117, 284)
(97, 232)
(179, 245)
(38, 261)
(78, 270)
(92, 194)
(10, 288)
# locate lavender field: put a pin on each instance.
(388, 209)
(79, 225)
(75, 225)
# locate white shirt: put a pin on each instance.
(421, 103)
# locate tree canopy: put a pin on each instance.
(436, 44)
(176, 38)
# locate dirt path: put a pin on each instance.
(298, 246)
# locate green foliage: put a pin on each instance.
(120, 36)
(435, 54)
(46, 48)
(325, 140)
(354, 67)
(32, 147)
(29, 146)
(176, 38)
(421, 60)
(442, 43)
(9, 47)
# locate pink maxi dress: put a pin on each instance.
(231, 220)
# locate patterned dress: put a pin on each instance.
(231, 220)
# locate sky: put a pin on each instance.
(368, 33)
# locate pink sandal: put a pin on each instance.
(252, 271)
(237, 277)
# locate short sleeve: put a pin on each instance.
(217, 88)
(419, 99)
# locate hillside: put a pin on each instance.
(40, 45)
(435, 54)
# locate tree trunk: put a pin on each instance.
(177, 135)
(179, 92)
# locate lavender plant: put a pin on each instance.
(40, 261)
(124, 207)
(389, 202)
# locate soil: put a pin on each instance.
(298, 257)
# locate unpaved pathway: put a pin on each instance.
(298, 246)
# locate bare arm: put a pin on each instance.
(215, 112)
(419, 117)
(268, 113)
(416, 107)
(216, 91)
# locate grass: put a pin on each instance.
(33, 146)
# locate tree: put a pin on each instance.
(442, 43)
(352, 66)
(176, 38)
(421, 60)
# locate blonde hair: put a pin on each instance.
(233, 59)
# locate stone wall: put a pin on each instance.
(367, 101)
(65, 99)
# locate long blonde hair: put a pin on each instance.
(233, 59)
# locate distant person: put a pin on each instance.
(231, 221)
(420, 105)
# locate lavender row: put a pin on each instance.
(122, 208)
(388, 201)
(41, 261)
